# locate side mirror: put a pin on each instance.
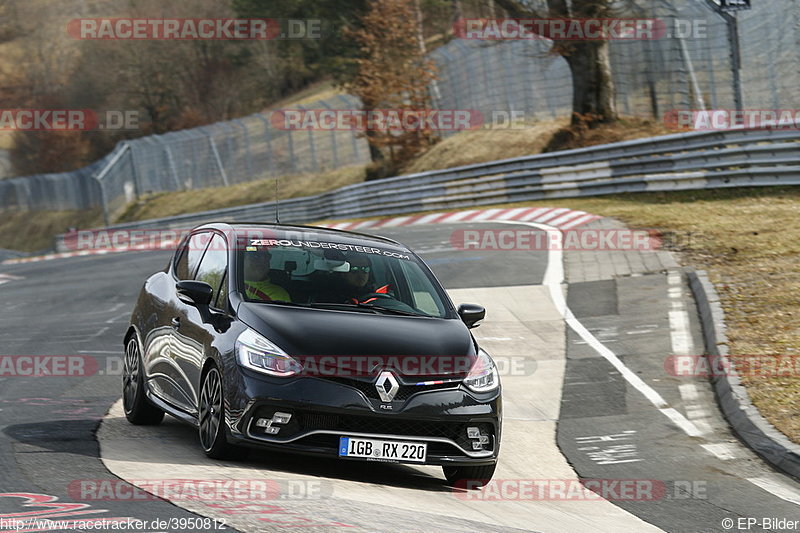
(196, 293)
(471, 314)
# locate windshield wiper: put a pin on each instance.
(283, 302)
(389, 310)
(349, 307)
(377, 309)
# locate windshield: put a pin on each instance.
(339, 276)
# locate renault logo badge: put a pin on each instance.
(387, 386)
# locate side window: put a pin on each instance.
(191, 254)
(222, 296)
(214, 264)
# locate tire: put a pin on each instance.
(138, 410)
(211, 416)
(469, 476)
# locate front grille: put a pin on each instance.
(406, 391)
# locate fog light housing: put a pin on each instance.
(479, 440)
(281, 418)
(270, 425)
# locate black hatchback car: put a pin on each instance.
(316, 341)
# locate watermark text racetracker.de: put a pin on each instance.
(578, 490)
(183, 29)
(579, 239)
(208, 490)
(38, 366)
(579, 29)
(390, 120)
(193, 523)
(732, 119)
(710, 366)
(420, 366)
(68, 119)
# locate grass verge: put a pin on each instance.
(177, 203)
(32, 232)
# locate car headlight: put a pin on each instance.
(257, 353)
(483, 376)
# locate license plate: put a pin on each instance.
(383, 450)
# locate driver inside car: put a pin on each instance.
(356, 284)
(256, 278)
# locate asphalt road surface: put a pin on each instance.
(573, 410)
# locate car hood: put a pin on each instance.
(364, 343)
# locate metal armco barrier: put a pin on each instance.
(697, 160)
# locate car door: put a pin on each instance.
(166, 375)
(193, 336)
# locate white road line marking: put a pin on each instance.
(695, 411)
(678, 317)
(114, 319)
(116, 306)
(688, 392)
(102, 330)
(5, 278)
(723, 451)
(703, 426)
(553, 279)
(774, 484)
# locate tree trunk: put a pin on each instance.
(589, 64)
(592, 82)
(375, 154)
(456, 7)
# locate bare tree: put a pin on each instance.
(589, 64)
(393, 72)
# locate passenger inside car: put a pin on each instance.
(258, 285)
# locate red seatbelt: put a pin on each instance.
(259, 294)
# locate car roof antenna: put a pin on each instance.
(277, 218)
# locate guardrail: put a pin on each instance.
(696, 160)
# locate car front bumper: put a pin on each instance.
(323, 410)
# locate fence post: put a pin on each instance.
(173, 170)
(218, 160)
(248, 158)
(101, 176)
(333, 138)
(314, 164)
(687, 61)
(268, 138)
(353, 135)
(290, 142)
(736, 56)
(137, 185)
